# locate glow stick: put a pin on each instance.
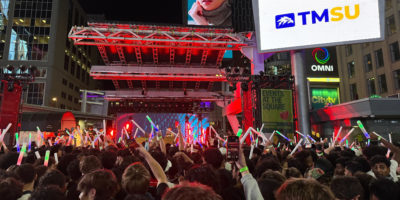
(369, 141)
(16, 139)
(352, 144)
(363, 129)
(80, 134)
(49, 140)
(272, 135)
(390, 138)
(126, 133)
(347, 135)
(296, 147)
(251, 151)
(30, 142)
(262, 127)
(146, 145)
(21, 154)
(388, 153)
(239, 133)
(303, 136)
(56, 158)
(104, 127)
(37, 155)
(283, 136)
(347, 143)
(279, 144)
(337, 135)
(120, 138)
(379, 136)
(260, 134)
(70, 140)
(137, 125)
(152, 123)
(46, 158)
(134, 136)
(3, 133)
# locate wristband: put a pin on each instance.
(244, 169)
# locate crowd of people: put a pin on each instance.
(155, 170)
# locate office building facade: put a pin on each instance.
(35, 33)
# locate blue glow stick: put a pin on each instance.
(30, 142)
(152, 123)
(16, 139)
(283, 136)
(363, 129)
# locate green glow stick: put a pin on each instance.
(17, 141)
(21, 154)
(363, 129)
(347, 143)
(283, 135)
(279, 144)
(46, 158)
(239, 133)
(119, 140)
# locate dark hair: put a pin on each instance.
(354, 167)
(26, 173)
(364, 163)
(365, 180)
(204, 175)
(138, 197)
(265, 164)
(347, 187)
(269, 174)
(213, 157)
(10, 189)
(52, 177)
(64, 162)
(324, 164)
(191, 191)
(293, 172)
(103, 181)
(380, 159)
(89, 164)
(373, 150)
(384, 189)
(108, 159)
(268, 187)
(136, 179)
(304, 189)
(8, 159)
(73, 170)
(160, 158)
(49, 192)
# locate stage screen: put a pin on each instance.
(293, 24)
(209, 12)
(163, 120)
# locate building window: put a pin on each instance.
(349, 50)
(62, 106)
(78, 72)
(83, 75)
(396, 76)
(87, 78)
(76, 89)
(395, 51)
(350, 69)
(71, 86)
(63, 95)
(371, 86)
(368, 63)
(388, 4)
(353, 92)
(72, 67)
(35, 93)
(76, 100)
(70, 97)
(379, 58)
(382, 83)
(30, 32)
(390, 25)
(3, 25)
(66, 62)
(64, 82)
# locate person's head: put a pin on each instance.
(274, 175)
(48, 192)
(89, 164)
(100, 185)
(340, 165)
(304, 189)
(213, 157)
(380, 166)
(53, 177)
(374, 150)
(365, 180)
(10, 189)
(352, 167)
(26, 173)
(73, 170)
(8, 159)
(211, 4)
(383, 189)
(266, 164)
(268, 188)
(205, 175)
(293, 172)
(160, 158)
(191, 191)
(108, 159)
(305, 157)
(347, 188)
(136, 179)
(138, 197)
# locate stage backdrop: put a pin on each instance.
(277, 110)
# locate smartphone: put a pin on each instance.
(232, 153)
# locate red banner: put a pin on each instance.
(9, 106)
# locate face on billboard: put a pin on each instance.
(293, 24)
(209, 12)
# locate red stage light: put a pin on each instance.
(127, 126)
(112, 133)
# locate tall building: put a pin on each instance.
(369, 69)
(35, 33)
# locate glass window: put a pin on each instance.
(71, 86)
(371, 86)
(382, 83)
(396, 76)
(66, 62)
(3, 25)
(388, 4)
(35, 93)
(350, 69)
(69, 97)
(78, 72)
(379, 58)
(349, 50)
(390, 25)
(72, 67)
(64, 82)
(395, 51)
(368, 63)
(76, 100)
(353, 92)
(63, 95)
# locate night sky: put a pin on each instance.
(146, 11)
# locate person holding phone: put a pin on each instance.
(212, 12)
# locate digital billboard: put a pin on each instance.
(321, 62)
(321, 97)
(293, 24)
(209, 12)
(277, 110)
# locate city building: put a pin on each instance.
(35, 33)
(369, 69)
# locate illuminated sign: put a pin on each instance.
(321, 97)
(321, 62)
(293, 24)
(277, 110)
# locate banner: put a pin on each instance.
(277, 110)
(321, 97)
(321, 62)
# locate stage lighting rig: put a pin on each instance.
(21, 75)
